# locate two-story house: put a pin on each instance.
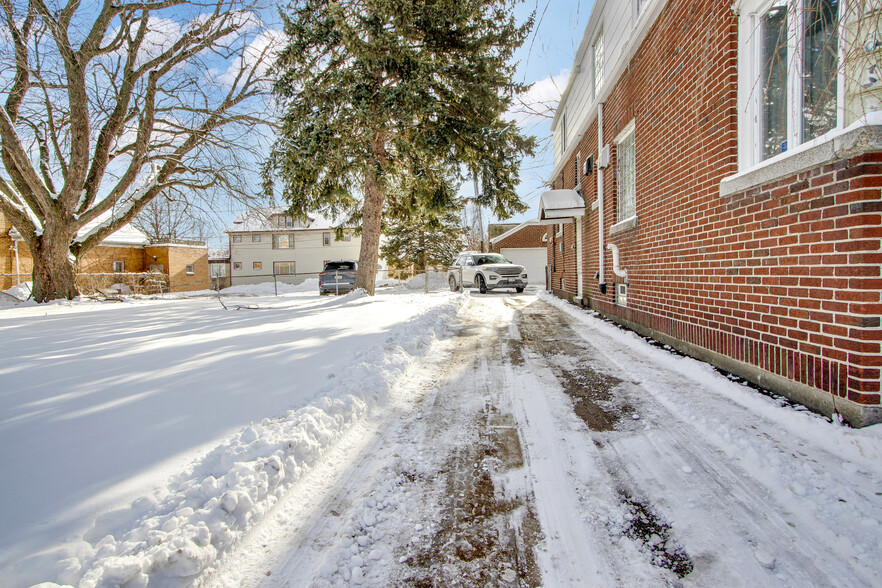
(716, 185)
(267, 244)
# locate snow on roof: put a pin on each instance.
(128, 235)
(514, 230)
(560, 204)
(260, 219)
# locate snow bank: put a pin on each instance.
(207, 510)
(863, 446)
(15, 295)
(261, 289)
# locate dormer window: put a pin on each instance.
(285, 221)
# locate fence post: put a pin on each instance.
(275, 284)
(427, 278)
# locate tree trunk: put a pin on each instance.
(372, 212)
(54, 272)
(371, 223)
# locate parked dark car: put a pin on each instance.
(338, 277)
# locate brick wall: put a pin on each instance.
(528, 236)
(100, 259)
(179, 257)
(782, 278)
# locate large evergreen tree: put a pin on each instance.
(377, 92)
(423, 240)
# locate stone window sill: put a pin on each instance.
(625, 225)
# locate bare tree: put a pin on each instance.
(106, 106)
(169, 218)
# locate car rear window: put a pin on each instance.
(339, 265)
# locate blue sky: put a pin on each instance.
(545, 60)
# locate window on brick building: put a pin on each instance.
(626, 174)
(119, 267)
(217, 270)
(791, 93)
(190, 269)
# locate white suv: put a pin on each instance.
(486, 271)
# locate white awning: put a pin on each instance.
(556, 206)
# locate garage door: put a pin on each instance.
(532, 258)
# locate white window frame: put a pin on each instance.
(217, 270)
(750, 66)
(190, 269)
(237, 238)
(626, 187)
(291, 264)
(598, 59)
(289, 240)
(326, 239)
(119, 266)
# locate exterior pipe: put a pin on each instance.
(17, 267)
(622, 273)
(600, 274)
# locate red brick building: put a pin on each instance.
(122, 258)
(730, 187)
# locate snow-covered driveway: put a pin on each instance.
(429, 441)
(544, 446)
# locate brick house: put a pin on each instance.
(728, 159)
(525, 244)
(184, 265)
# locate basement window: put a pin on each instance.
(119, 267)
(622, 294)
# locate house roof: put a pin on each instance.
(127, 235)
(257, 220)
(556, 205)
(514, 230)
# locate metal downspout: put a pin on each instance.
(600, 227)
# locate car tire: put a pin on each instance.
(453, 286)
(519, 290)
(480, 284)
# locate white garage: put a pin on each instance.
(532, 258)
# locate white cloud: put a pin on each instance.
(540, 101)
(259, 56)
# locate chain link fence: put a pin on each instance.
(144, 283)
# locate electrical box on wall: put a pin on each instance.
(603, 161)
